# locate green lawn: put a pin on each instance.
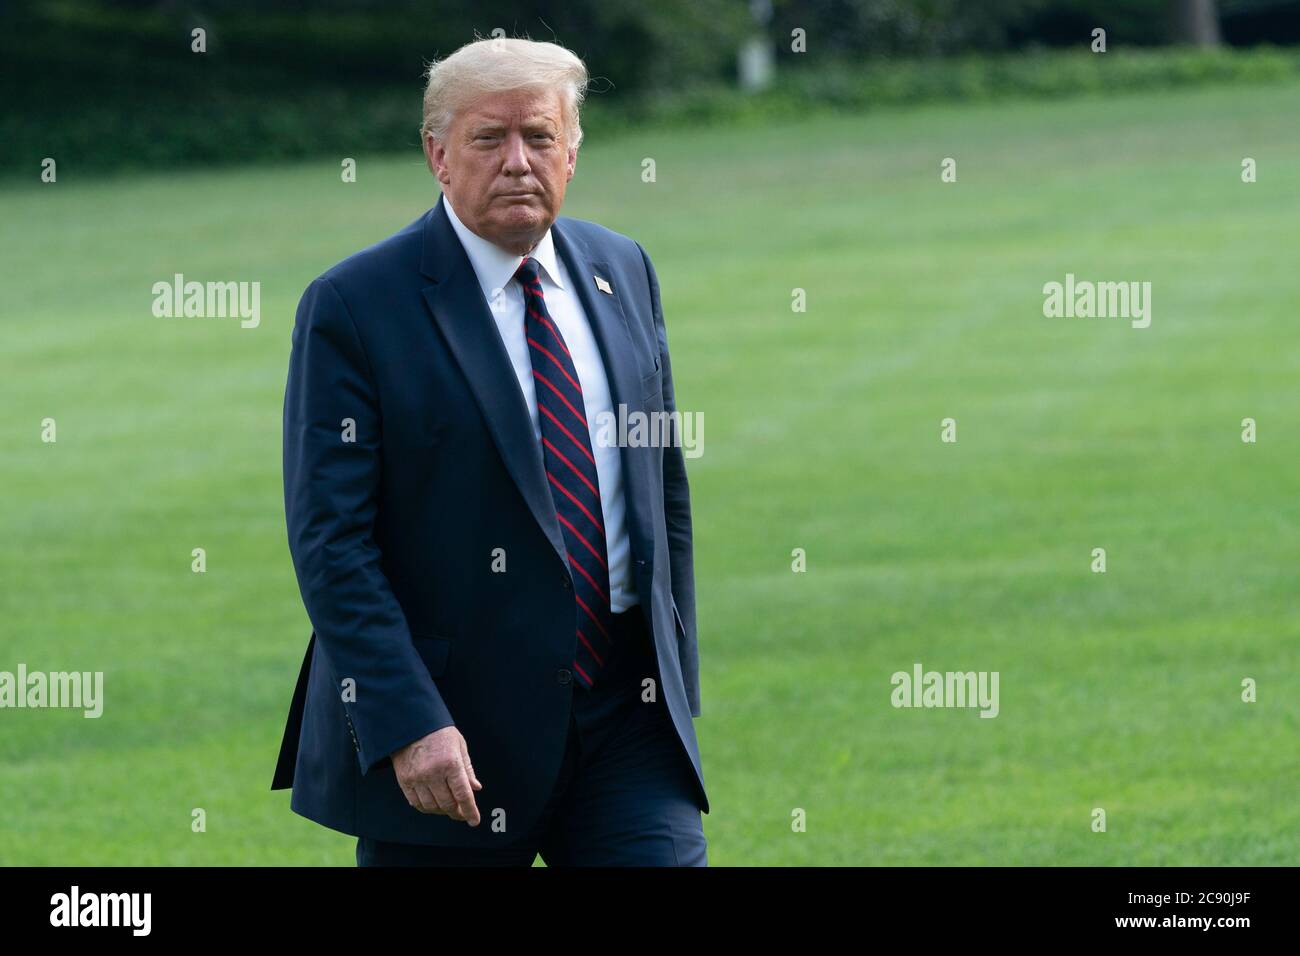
(1118, 690)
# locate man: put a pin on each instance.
(504, 659)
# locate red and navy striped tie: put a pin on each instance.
(571, 471)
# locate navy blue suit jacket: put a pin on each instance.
(393, 534)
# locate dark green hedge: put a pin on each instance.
(854, 88)
(119, 89)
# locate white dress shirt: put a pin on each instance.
(495, 269)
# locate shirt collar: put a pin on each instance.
(496, 267)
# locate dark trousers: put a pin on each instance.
(625, 795)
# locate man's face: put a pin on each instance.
(505, 166)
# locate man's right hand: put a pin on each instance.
(436, 776)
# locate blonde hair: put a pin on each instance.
(498, 65)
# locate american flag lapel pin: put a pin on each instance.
(603, 286)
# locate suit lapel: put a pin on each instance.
(456, 301)
(604, 314)
(614, 339)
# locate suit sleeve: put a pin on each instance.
(330, 493)
(677, 511)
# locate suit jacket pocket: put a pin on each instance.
(652, 385)
(677, 616)
(433, 650)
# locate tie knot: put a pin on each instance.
(528, 271)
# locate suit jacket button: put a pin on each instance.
(568, 583)
(564, 676)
